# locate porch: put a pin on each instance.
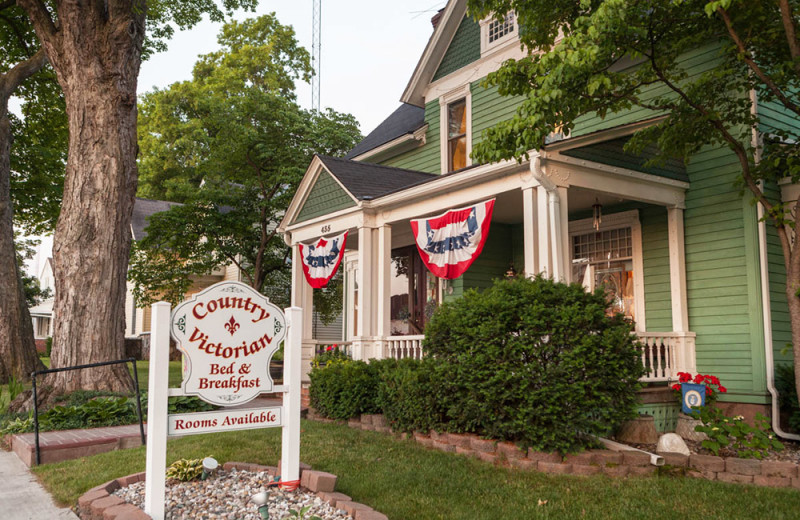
(542, 223)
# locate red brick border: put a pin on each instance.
(99, 504)
(592, 462)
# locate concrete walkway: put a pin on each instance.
(21, 495)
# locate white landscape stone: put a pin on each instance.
(672, 443)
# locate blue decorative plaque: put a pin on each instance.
(692, 395)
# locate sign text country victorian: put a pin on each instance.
(679, 250)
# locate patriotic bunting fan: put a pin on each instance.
(322, 259)
(450, 242)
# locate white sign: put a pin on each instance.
(228, 334)
(224, 420)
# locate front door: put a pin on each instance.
(414, 292)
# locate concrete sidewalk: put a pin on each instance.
(21, 495)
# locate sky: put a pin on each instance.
(369, 51)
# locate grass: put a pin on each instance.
(143, 373)
(406, 481)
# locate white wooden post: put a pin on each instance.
(384, 263)
(543, 223)
(290, 442)
(566, 250)
(530, 232)
(155, 486)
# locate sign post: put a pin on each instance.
(228, 334)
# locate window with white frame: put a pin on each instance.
(611, 258)
(495, 33)
(456, 129)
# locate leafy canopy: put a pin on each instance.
(231, 145)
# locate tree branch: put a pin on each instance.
(40, 18)
(791, 34)
(20, 72)
(15, 29)
(754, 66)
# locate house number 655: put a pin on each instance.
(325, 229)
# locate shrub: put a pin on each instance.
(735, 434)
(407, 395)
(185, 469)
(534, 362)
(48, 345)
(787, 391)
(343, 389)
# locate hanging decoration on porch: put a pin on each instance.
(450, 242)
(597, 214)
(322, 259)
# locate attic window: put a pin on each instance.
(495, 33)
(499, 29)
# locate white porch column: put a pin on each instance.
(677, 282)
(384, 292)
(303, 297)
(566, 250)
(530, 231)
(365, 290)
(543, 233)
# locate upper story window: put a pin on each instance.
(457, 135)
(495, 33)
(456, 128)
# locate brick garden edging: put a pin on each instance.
(99, 504)
(593, 462)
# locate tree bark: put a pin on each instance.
(95, 49)
(18, 356)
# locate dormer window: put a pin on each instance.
(456, 128)
(495, 33)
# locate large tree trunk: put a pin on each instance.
(792, 286)
(95, 51)
(18, 356)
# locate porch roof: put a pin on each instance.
(402, 121)
(366, 181)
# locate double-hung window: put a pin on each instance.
(456, 131)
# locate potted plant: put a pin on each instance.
(713, 387)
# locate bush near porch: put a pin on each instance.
(528, 361)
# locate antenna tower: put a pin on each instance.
(316, 52)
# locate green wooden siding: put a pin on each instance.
(426, 158)
(325, 197)
(655, 255)
(694, 63)
(774, 116)
(463, 50)
(490, 108)
(493, 261)
(612, 153)
(722, 276)
(781, 325)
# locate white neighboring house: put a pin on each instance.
(42, 313)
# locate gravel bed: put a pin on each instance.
(226, 496)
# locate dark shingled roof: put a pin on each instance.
(143, 208)
(404, 120)
(370, 181)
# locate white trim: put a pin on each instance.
(617, 221)
(677, 270)
(397, 146)
(463, 92)
(617, 170)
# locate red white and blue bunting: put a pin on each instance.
(450, 242)
(322, 259)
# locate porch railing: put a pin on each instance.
(345, 346)
(401, 347)
(664, 354)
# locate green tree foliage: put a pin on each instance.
(26, 250)
(535, 362)
(610, 56)
(231, 145)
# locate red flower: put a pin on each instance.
(677, 387)
(684, 377)
(698, 379)
(722, 389)
(709, 391)
(329, 348)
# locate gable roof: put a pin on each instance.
(403, 121)
(142, 209)
(435, 50)
(366, 181)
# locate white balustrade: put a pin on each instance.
(401, 347)
(664, 354)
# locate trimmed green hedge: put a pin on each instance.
(528, 361)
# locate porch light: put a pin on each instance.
(597, 214)
(260, 499)
(511, 273)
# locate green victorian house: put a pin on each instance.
(680, 250)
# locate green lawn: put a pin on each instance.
(406, 481)
(143, 372)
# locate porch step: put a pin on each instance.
(72, 444)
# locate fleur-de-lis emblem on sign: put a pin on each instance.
(232, 326)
